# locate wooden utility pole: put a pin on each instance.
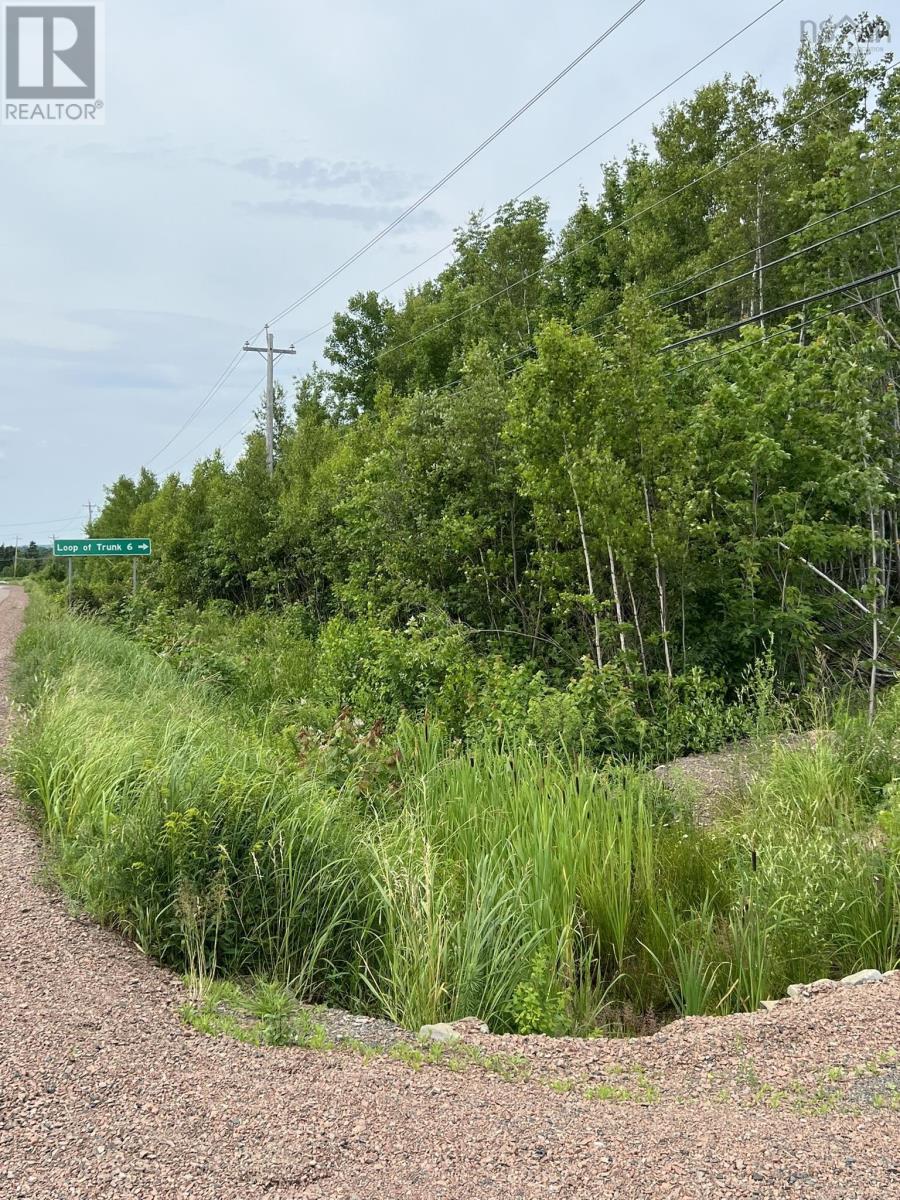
(270, 353)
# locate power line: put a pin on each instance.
(226, 374)
(774, 333)
(831, 216)
(571, 158)
(243, 400)
(608, 316)
(821, 220)
(781, 308)
(671, 287)
(459, 388)
(464, 162)
(766, 337)
(402, 217)
(618, 225)
(610, 129)
(777, 262)
(782, 331)
(632, 217)
(530, 187)
(214, 390)
(31, 524)
(811, 299)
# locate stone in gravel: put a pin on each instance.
(442, 1032)
(821, 985)
(812, 989)
(768, 1005)
(469, 1026)
(861, 977)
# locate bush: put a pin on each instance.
(410, 874)
(381, 673)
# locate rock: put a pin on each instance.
(895, 974)
(441, 1032)
(822, 985)
(861, 977)
(811, 989)
(768, 1005)
(470, 1025)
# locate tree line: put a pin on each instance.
(21, 560)
(531, 449)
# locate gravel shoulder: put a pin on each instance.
(104, 1093)
(718, 779)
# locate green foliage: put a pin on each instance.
(18, 562)
(379, 673)
(509, 472)
(377, 727)
(414, 876)
(539, 1005)
(264, 1014)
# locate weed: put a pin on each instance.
(645, 1093)
(429, 881)
(266, 1014)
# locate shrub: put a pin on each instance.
(380, 673)
(407, 872)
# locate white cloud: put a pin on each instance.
(368, 216)
(244, 158)
(36, 327)
(317, 174)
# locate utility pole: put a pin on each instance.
(271, 353)
(16, 559)
(90, 507)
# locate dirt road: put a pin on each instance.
(104, 1092)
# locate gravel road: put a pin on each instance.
(104, 1093)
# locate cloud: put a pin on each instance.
(100, 346)
(150, 378)
(57, 334)
(369, 216)
(9, 429)
(319, 175)
(150, 151)
(311, 173)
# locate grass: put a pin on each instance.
(265, 1014)
(416, 878)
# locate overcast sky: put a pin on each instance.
(249, 147)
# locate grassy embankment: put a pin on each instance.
(409, 876)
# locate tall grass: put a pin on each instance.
(530, 888)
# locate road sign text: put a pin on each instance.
(102, 547)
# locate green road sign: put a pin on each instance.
(102, 547)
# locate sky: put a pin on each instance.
(249, 147)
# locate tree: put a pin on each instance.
(357, 339)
